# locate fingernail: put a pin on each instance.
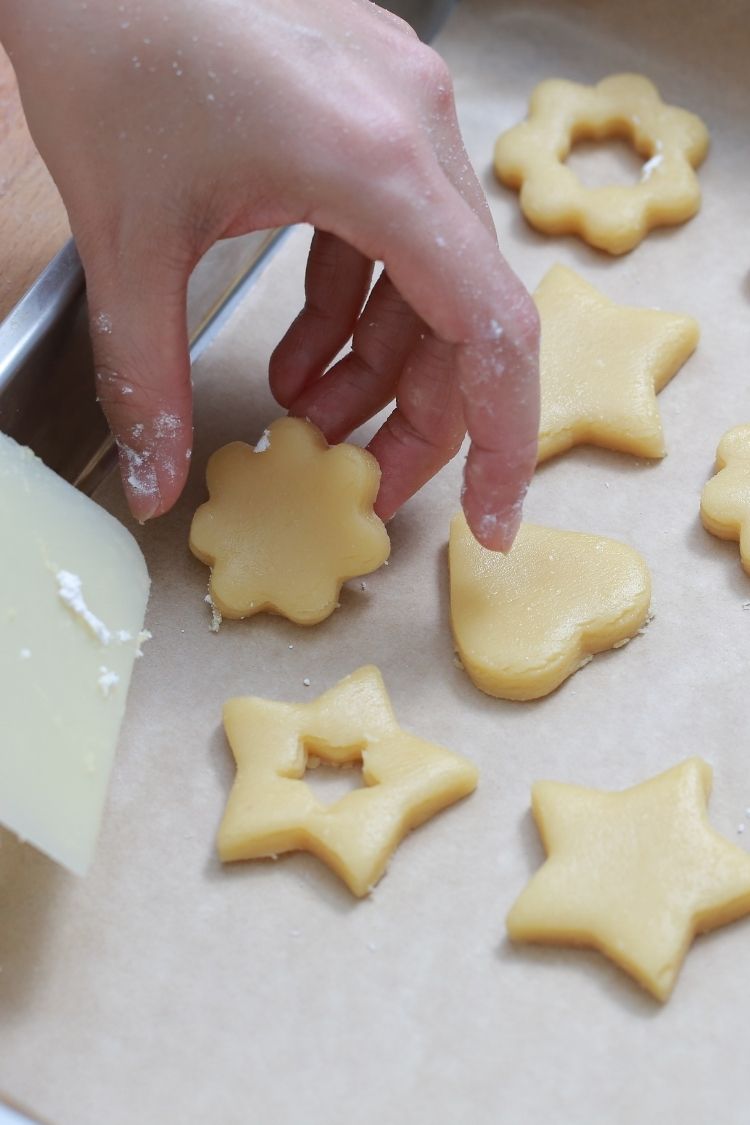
(497, 530)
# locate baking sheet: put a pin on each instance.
(164, 988)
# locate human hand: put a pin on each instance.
(172, 124)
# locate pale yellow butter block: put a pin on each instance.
(602, 365)
(287, 523)
(634, 874)
(73, 593)
(725, 500)
(271, 809)
(525, 621)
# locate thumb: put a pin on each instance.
(137, 310)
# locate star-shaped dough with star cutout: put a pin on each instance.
(634, 874)
(531, 156)
(287, 523)
(272, 810)
(602, 365)
(725, 501)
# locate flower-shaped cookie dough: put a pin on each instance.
(272, 810)
(601, 367)
(287, 523)
(634, 874)
(531, 156)
(725, 502)
(525, 621)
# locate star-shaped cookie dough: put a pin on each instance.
(725, 501)
(634, 874)
(531, 156)
(287, 523)
(525, 621)
(602, 365)
(272, 810)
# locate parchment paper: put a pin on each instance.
(165, 989)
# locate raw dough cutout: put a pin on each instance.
(525, 621)
(634, 874)
(288, 523)
(602, 365)
(531, 156)
(272, 810)
(725, 502)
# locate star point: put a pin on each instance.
(635, 874)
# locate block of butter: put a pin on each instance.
(73, 594)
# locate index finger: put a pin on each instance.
(447, 265)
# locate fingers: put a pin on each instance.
(336, 284)
(446, 264)
(425, 430)
(496, 476)
(139, 335)
(364, 381)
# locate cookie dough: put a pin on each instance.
(725, 502)
(634, 874)
(272, 810)
(525, 621)
(602, 365)
(287, 523)
(531, 156)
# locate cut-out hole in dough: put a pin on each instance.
(330, 782)
(605, 163)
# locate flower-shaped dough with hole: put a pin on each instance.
(525, 621)
(272, 810)
(287, 523)
(725, 501)
(531, 156)
(634, 874)
(601, 366)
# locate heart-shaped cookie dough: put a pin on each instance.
(525, 621)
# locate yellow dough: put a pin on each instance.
(287, 523)
(525, 621)
(531, 156)
(634, 874)
(725, 502)
(601, 367)
(272, 810)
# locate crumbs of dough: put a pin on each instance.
(216, 617)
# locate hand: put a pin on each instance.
(171, 124)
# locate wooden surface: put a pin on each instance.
(33, 223)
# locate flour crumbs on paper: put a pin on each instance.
(216, 617)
